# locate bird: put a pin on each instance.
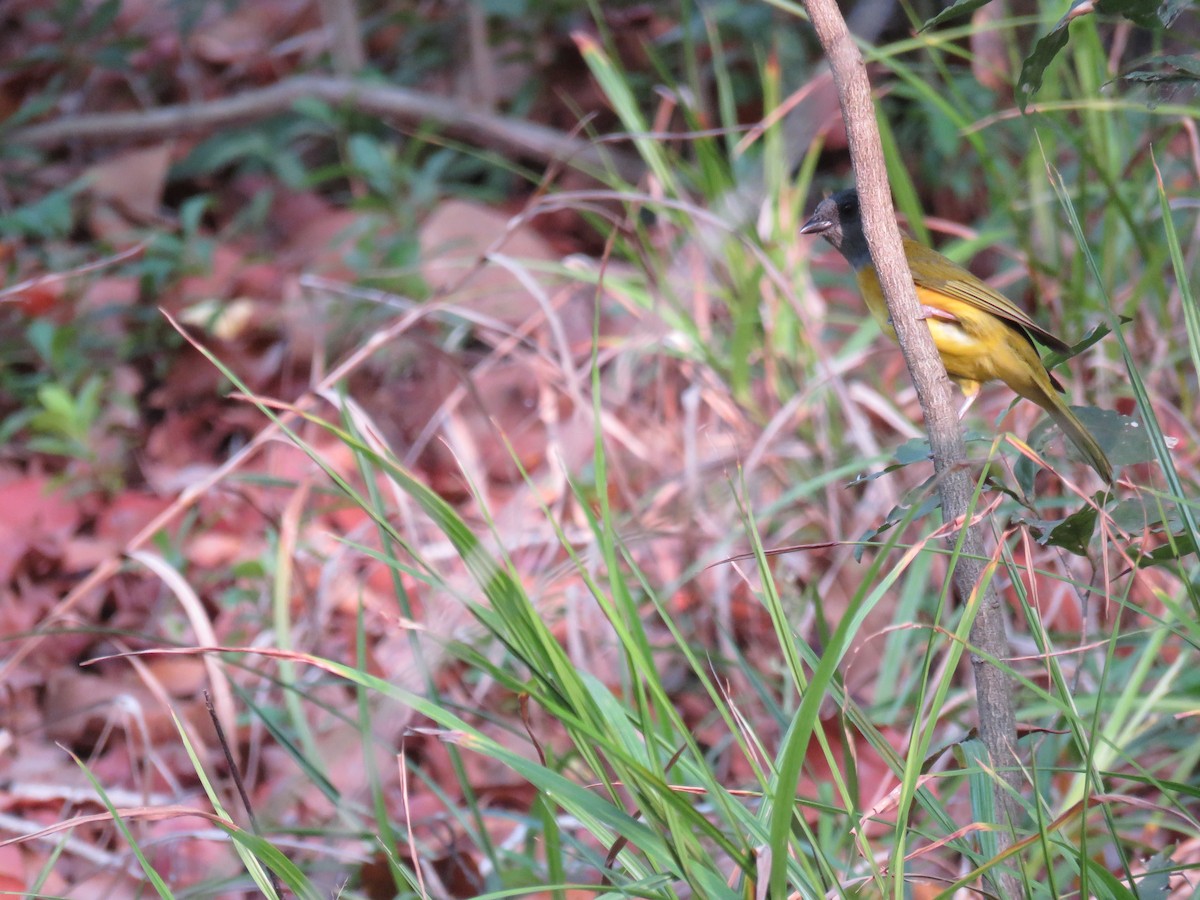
(981, 335)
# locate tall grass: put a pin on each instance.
(681, 704)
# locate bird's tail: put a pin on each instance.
(1079, 435)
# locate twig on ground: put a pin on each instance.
(407, 107)
(13, 292)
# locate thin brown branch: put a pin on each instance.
(997, 721)
(345, 36)
(235, 773)
(483, 86)
(405, 107)
(12, 293)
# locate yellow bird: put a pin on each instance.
(980, 335)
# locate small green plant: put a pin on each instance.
(60, 397)
(65, 423)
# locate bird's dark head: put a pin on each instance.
(837, 219)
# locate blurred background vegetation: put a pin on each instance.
(458, 366)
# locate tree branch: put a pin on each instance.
(408, 107)
(997, 721)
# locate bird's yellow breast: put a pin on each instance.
(975, 346)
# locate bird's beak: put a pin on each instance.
(817, 224)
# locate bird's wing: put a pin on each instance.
(928, 267)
